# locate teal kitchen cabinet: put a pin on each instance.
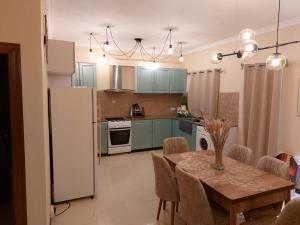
(191, 138)
(177, 80)
(85, 75)
(175, 128)
(142, 134)
(145, 80)
(162, 128)
(161, 81)
(102, 138)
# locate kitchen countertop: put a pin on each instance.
(161, 117)
(144, 118)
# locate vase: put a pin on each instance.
(218, 165)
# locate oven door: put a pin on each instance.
(119, 137)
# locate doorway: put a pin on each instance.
(12, 160)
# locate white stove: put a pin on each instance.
(119, 135)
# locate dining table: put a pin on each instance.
(237, 188)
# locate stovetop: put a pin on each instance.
(116, 119)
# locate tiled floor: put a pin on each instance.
(125, 195)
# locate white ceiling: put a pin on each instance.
(198, 22)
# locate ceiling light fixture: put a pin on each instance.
(181, 59)
(249, 47)
(170, 50)
(106, 43)
(276, 61)
(91, 53)
(120, 54)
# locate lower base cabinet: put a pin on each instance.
(102, 138)
(162, 129)
(191, 138)
(142, 134)
(147, 134)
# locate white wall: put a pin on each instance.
(81, 55)
(232, 80)
(21, 22)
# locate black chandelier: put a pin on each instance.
(151, 58)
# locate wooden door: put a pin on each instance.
(12, 138)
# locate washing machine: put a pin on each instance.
(203, 140)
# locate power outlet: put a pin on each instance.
(52, 211)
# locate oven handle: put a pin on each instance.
(124, 128)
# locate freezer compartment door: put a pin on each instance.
(72, 136)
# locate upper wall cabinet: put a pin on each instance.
(61, 57)
(177, 80)
(85, 75)
(162, 80)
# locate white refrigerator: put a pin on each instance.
(73, 142)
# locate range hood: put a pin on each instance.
(121, 78)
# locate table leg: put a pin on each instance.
(289, 198)
(232, 217)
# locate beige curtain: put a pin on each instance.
(203, 93)
(262, 91)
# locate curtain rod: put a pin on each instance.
(203, 71)
(259, 64)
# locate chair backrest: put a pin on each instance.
(274, 166)
(165, 180)
(194, 205)
(175, 145)
(290, 215)
(241, 153)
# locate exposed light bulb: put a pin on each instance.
(91, 53)
(152, 65)
(170, 50)
(248, 49)
(103, 58)
(247, 34)
(216, 57)
(181, 59)
(276, 61)
(106, 46)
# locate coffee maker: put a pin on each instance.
(136, 111)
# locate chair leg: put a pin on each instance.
(159, 208)
(177, 206)
(164, 205)
(172, 213)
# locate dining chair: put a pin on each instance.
(175, 145)
(289, 216)
(165, 184)
(195, 208)
(277, 168)
(241, 153)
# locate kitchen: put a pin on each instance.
(105, 89)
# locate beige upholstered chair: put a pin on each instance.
(277, 168)
(289, 216)
(241, 153)
(194, 205)
(165, 184)
(175, 145)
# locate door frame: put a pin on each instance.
(17, 132)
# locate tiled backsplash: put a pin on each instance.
(118, 104)
(229, 107)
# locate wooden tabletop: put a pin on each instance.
(236, 182)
